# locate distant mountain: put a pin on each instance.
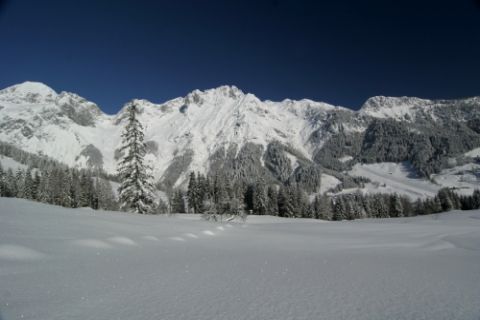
(227, 130)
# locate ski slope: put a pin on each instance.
(401, 178)
(390, 177)
(463, 179)
(9, 163)
(58, 263)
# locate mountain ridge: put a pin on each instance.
(225, 129)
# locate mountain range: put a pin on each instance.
(229, 131)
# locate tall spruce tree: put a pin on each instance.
(136, 188)
(193, 193)
(260, 198)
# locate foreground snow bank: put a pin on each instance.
(58, 263)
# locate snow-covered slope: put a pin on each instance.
(473, 153)
(401, 178)
(9, 163)
(72, 130)
(387, 177)
(393, 107)
(59, 263)
(410, 108)
(195, 132)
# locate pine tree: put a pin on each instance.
(272, 201)
(260, 199)
(476, 199)
(36, 185)
(28, 184)
(193, 193)
(10, 184)
(3, 187)
(204, 193)
(162, 207)
(86, 190)
(106, 198)
(339, 209)
(396, 207)
(322, 208)
(136, 189)
(20, 183)
(178, 202)
(445, 197)
(285, 203)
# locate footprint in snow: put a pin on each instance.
(151, 238)
(208, 233)
(177, 239)
(13, 252)
(92, 243)
(122, 240)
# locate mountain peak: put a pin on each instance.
(30, 88)
(392, 107)
(224, 90)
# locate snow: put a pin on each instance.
(59, 263)
(328, 182)
(293, 160)
(29, 88)
(9, 163)
(389, 177)
(400, 108)
(345, 159)
(464, 179)
(473, 153)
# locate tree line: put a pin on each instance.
(219, 195)
(49, 181)
(58, 185)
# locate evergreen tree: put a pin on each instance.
(20, 183)
(36, 185)
(86, 190)
(106, 198)
(272, 201)
(3, 186)
(162, 207)
(10, 183)
(192, 192)
(260, 198)
(28, 184)
(396, 206)
(322, 208)
(285, 204)
(178, 202)
(476, 199)
(445, 198)
(136, 189)
(339, 209)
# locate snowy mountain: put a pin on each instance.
(227, 129)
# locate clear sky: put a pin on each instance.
(341, 52)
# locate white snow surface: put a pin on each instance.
(58, 263)
(328, 182)
(473, 153)
(400, 108)
(9, 163)
(463, 179)
(390, 177)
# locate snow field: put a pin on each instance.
(58, 263)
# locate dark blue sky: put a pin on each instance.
(341, 52)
